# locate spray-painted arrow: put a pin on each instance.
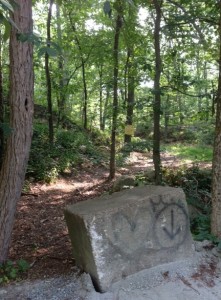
(171, 232)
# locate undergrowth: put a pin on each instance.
(136, 145)
(196, 184)
(195, 153)
(12, 270)
(70, 149)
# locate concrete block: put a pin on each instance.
(116, 235)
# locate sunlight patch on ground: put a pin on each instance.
(68, 186)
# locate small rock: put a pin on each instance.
(122, 182)
(83, 148)
(202, 246)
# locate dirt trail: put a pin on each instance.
(40, 235)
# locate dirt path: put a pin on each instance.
(40, 235)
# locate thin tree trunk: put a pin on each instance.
(216, 187)
(115, 98)
(130, 72)
(101, 108)
(83, 69)
(48, 77)
(166, 117)
(21, 113)
(131, 94)
(106, 102)
(85, 103)
(61, 93)
(157, 95)
(206, 90)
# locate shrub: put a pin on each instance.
(138, 145)
(196, 184)
(47, 162)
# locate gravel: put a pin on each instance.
(198, 278)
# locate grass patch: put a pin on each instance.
(194, 153)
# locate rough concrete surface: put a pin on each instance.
(198, 278)
(117, 235)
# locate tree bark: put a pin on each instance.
(101, 104)
(83, 70)
(115, 98)
(216, 187)
(157, 95)
(62, 79)
(48, 76)
(130, 70)
(1, 106)
(105, 108)
(21, 113)
(131, 93)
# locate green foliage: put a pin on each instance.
(191, 179)
(6, 5)
(49, 50)
(206, 135)
(181, 133)
(196, 184)
(29, 37)
(200, 227)
(70, 147)
(137, 145)
(195, 153)
(12, 270)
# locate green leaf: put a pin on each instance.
(6, 5)
(55, 46)
(107, 8)
(130, 2)
(13, 273)
(59, 2)
(42, 51)
(52, 52)
(23, 265)
(29, 37)
(12, 23)
(6, 34)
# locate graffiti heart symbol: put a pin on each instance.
(128, 231)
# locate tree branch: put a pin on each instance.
(192, 21)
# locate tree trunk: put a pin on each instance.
(1, 106)
(62, 79)
(216, 187)
(85, 102)
(130, 71)
(166, 117)
(48, 77)
(101, 108)
(157, 95)
(83, 70)
(21, 112)
(130, 95)
(115, 98)
(105, 108)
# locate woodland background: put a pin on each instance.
(111, 78)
